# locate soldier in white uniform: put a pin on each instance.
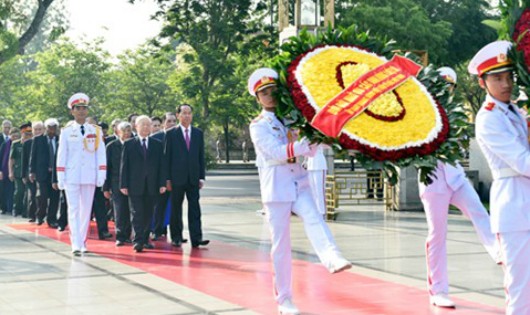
(502, 135)
(450, 186)
(285, 187)
(317, 168)
(81, 166)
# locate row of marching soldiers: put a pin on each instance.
(69, 178)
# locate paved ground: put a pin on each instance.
(39, 276)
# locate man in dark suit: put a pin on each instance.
(184, 147)
(111, 188)
(159, 226)
(4, 191)
(114, 125)
(31, 187)
(41, 166)
(143, 176)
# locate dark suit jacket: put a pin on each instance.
(109, 139)
(26, 154)
(2, 139)
(161, 135)
(39, 162)
(185, 167)
(114, 151)
(137, 172)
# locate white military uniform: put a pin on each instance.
(81, 166)
(503, 138)
(285, 188)
(502, 134)
(317, 168)
(450, 186)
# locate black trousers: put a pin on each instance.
(63, 210)
(31, 200)
(100, 211)
(122, 215)
(47, 201)
(194, 213)
(159, 217)
(142, 208)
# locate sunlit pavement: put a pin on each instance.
(233, 275)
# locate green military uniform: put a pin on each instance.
(20, 188)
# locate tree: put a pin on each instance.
(215, 30)
(469, 33)
(138, 83)
(47, 79)
(16, 30)
(402, 20)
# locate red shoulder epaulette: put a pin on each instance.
(490, 106)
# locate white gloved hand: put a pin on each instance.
(60, 185)
(313, 149)
(301, 147)
(100, 183)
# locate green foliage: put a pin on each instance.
(29, 26)
(38, 86)
(139, 83)
(450, 30)
(450, 151)
(404, 21)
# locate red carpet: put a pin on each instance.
(243, 276)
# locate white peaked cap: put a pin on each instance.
(78, 99)
(260, 79)
(448, 74)
(492, 58)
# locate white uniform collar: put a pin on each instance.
(501, 105)
(77, 125)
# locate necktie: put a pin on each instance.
(82, 130)
(187, 138)
(52, 153)
(510, 107)
(144, 147)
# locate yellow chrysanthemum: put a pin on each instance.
(317, 73)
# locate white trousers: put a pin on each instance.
(79, 199)
(318, 233)
(515, 251)
(317, 179)
(436, 211)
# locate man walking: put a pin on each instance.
(143, 178)
(81, 166)
(184, 147)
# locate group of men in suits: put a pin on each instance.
(146, 169)
(30, 190)
(142, 170)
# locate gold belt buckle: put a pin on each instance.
(291, 160)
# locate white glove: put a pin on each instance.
(100, 183)
(60, 185)
(301, 147)
(313, 150)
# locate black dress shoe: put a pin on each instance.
(61, 228)
(176, 243)
(76, 253)
(53, 225)
(31, 220)
(138, 247)
(184, 240)
(105, 235)
(40, 222)
(200, 243)
(120, 243)
(149, 246)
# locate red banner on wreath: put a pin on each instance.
(353, 100)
